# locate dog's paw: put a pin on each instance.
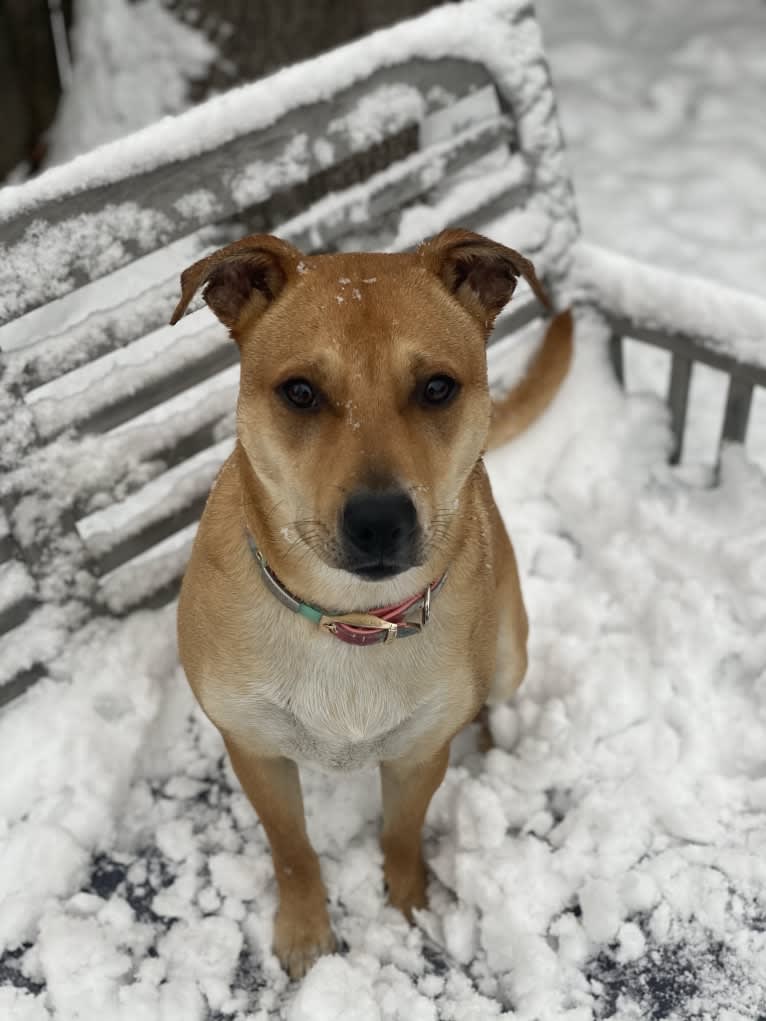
(300, 938)
(406, 888)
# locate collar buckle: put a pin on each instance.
(425, 612)
(367, 620)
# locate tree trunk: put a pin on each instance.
(255, 37)
(29, 80)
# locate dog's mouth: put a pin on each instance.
(336, 554)
(377, 570)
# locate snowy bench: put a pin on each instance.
(114, 425)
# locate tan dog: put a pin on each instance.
(357, 482)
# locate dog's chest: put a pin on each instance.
(344, 710)
(333, 744)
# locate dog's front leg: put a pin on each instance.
(408, 786)
(302, 927)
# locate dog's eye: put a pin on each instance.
(438, 390)
(300, 394)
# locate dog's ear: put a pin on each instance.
(481, 273)
(250, 272)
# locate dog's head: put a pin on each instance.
(363, 403)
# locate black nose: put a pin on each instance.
(380, 532)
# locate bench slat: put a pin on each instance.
(617, 357)
(154, 574)
(6, 539)
(166, 426)
(678, 397)
(37, 640)
(112, 389)
(688, 347)
(111, 312)
(119, 526)
(17, 594)
(739, 398)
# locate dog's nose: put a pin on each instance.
(380, 530)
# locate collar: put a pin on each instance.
(370, 628)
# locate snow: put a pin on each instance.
(259, 179)
(133, 62)
(661, 106)
(384, 111)
(336, 990)
(606, 860)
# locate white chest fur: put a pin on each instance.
(336, 706)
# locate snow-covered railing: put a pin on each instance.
(695, 319)
(112, 426)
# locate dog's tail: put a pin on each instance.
(531, 396)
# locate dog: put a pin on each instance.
(352, 597)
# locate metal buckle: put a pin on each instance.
(368, 620)
(425, 613)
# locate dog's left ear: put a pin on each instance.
(249, 273)
(480, 273)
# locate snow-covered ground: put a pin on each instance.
(608, 858)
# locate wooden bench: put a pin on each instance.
(114, 425)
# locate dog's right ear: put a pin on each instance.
(248, 274)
